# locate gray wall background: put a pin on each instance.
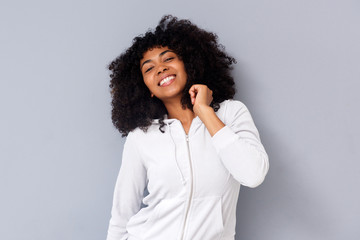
(298, 72)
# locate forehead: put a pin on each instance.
(153, 53)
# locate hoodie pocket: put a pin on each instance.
(165, 221)
(206, 220)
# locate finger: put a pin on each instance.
(192, 91)
(191, 88)
(192, 95)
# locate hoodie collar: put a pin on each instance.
(169, 121)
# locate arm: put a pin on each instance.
(239, 147)
(201, 97)
(129, 190)
(237, 143)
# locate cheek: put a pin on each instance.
(145, 79)
(147, 82)
(183, 70)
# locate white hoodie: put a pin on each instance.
(193, 180)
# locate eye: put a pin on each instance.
(168, 59)
(147, 70)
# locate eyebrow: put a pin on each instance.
(149, 60)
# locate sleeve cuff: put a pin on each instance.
(223, 138)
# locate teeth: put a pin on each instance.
(165, 80)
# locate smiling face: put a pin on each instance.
(163, 73)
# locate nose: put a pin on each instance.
(162, 69)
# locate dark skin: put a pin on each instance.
(165, 76)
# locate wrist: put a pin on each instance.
(203, 110)
(208, 116)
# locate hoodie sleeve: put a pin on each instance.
(129, 190)
(239, 147)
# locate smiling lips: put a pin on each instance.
(167, 81)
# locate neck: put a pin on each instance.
(175, 110)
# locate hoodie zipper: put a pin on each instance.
(191, 189)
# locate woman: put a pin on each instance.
(188, 143)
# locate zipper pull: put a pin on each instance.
(187, 137)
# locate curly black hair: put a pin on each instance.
(205, 63)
